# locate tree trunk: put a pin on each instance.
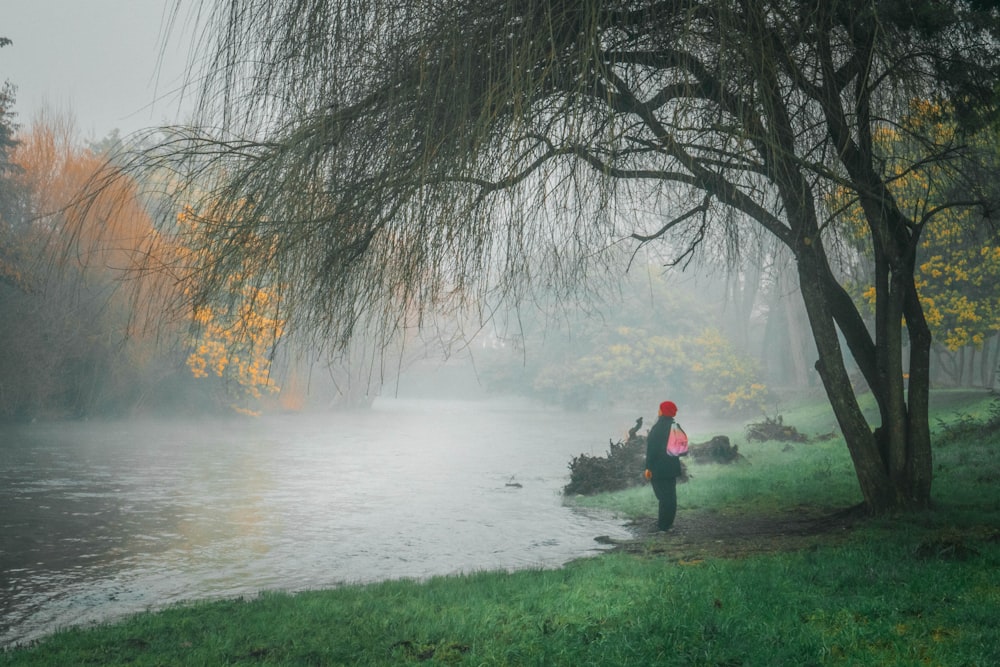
(984, 365)
(893, 461)
(993, 359)
(797, 343)
(741, 290)
(773, 369)
(946, 373)
(920, 465)
(860, 440)
(785, 348)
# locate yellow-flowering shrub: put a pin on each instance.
(634, 366)
(958, 266)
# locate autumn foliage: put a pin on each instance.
(98, 317)
(72, 342)
(958, 264)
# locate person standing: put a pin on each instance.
(662, 469)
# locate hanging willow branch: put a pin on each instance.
(378, 158)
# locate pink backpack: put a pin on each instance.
(677, 443)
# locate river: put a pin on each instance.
(99, 520)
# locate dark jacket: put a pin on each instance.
(660, 463)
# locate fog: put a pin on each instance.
(149, 461)
(106, 518)
(111, 64)
(116, 64)
(131, 483)
(158, 448)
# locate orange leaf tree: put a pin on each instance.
(73, 341)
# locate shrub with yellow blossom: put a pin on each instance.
(958, 258)
(632, 365)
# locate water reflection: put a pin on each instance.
(101, 520)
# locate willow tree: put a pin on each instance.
(373, 158)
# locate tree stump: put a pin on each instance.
(716, 450)
(620, 469)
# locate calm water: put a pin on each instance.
(100, 520)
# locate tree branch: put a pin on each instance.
(701, 208)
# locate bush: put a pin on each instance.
(967, 426)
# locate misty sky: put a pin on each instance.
(97, 59)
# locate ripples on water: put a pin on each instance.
(99, 520)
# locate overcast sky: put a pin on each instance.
(99, 59)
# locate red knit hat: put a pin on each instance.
(668, 409)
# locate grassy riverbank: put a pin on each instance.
(909, 591)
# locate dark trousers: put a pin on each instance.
(666, 492)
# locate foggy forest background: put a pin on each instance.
(84, 333)
(92, 324)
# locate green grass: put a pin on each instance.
(776, 476)
(908, 590)
(879, 602)
(772, 476)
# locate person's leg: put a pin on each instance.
(666, 494)
(668, 504)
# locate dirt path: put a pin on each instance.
(701, 534)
